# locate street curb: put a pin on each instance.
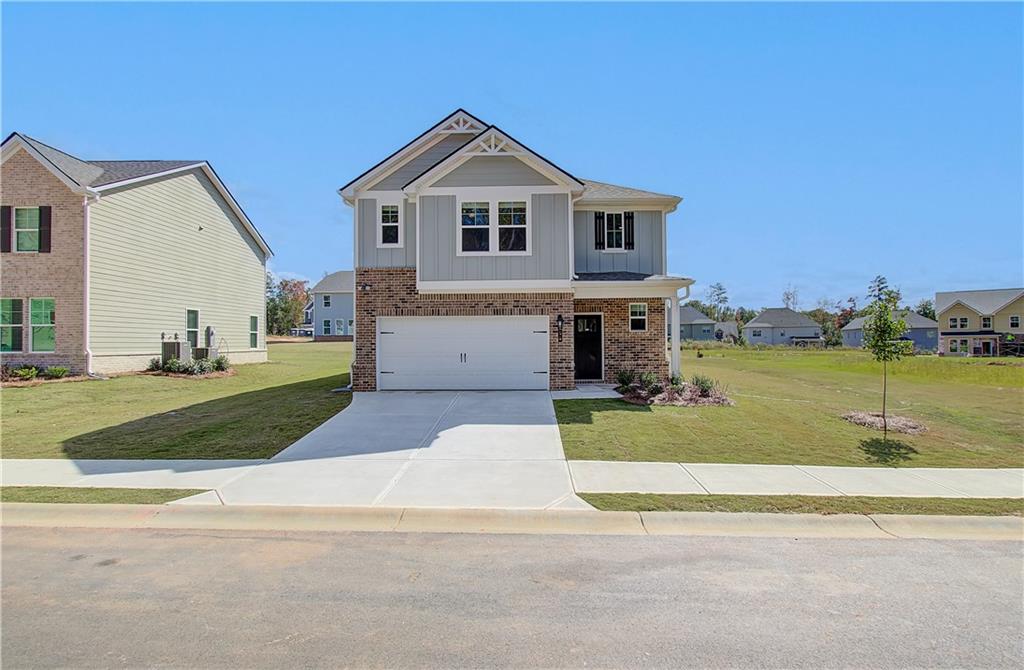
(573, 522)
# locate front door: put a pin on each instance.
(587, 342)
(986, 347)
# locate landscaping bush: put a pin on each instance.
(649, 383)
(175, 365)
(675, 380)
(56, 372)
(200, 366)
(25, 373)
(625, 377)
(154, 365)
(705, 385)
(221, 363)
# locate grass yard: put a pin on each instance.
(650, 502)
(67, 494)
(253, 414)
(788, 407)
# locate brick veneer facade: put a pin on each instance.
(392, 292)
(332, 338)
(58, 274)
(624, 349)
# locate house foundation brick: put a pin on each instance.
(643, 351)
(392, 292)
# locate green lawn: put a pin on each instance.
(788, 407)
(253, 414)
(650, 502)
(63, 494)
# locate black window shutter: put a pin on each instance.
(44, 229)
(628, 225)
(599, 230)
(5, 228)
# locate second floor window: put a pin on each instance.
(327, 301)
(986, 323)
(390, 226)
(512, 226)
(613, 230)
(26, 229)
(1014, 322)
(475, 226)
(952, 322)
(963, 321)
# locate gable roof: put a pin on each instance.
(342, 281)
(598, 193)
(781, 317)
(689, 315)
(984, 302)
(93, 177)
(912, 319)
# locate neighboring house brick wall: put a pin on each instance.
(341, 308)
(392, 292)
(58, 274)
(644, 351)
(150, 262)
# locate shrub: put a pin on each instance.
(200, 366)
(56, 372)
(649, 383)
(25, 373)
(675, 380)
(705, 385)
(154, 365)
(221, 363)
(625, 377)
(175, 365)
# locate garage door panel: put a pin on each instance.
(447, 353)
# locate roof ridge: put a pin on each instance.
(141, 160)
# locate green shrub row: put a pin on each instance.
(198, 366)
(25, 373)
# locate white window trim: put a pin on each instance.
(198, 330)
(31, 325)
(325, 332)
(631, 317)
(492, 201)
(381, 204)
(989, 319)
(965, 323)
(952, 323)
(257, 331)
(604, 231)
(21, 325)
(756, 332)
(325, 300)
(14, 232)
(1011, 318)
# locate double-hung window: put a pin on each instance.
(756, 332)
(254, 332)
(326, 327)
(327, 300)
(963, 322)
(613, 231)
(390, 226)
(11, 326)
(952, 322)
(638, 316)
(26, 229)
(512, 225)
(192, 327)
(43, 323)
(1015, 321)
(986, 323)
(475, 226)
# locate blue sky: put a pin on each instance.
(814, 145)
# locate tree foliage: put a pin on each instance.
(926, 308)
(882, 332)
(286, 301)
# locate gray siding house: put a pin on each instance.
(481, 264)
(332, 313)
(781, 325)
(694, 325)
(922, 331)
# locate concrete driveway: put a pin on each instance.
(492, 449)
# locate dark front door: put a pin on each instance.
(587, 341)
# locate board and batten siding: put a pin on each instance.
(159, 248)
(369, 255)
(549, 228)
(493, 171)
(647, 256)
(419, 164)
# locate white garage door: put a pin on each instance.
(462, 352)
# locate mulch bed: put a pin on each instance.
(686, 395)
(181, 375)
(897, 424)
(39, 380)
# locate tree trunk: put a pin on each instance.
(885, 422)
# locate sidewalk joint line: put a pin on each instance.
(819, 479)
(932, 481)
(694, 478)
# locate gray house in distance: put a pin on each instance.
(333, 311)
(922, 331)
(694, 325)
(781, 325)
(727, 331)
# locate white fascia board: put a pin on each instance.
(218, 184)
(496, 286)
(665, 206)
(17, 144)
(648, 288)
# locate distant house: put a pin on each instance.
(921, 330)
(727, 331)
(781, 325)
(694, 325)
(305, 329)
(980, 323)
(333, 313)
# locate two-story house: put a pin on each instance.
(332, 314)
(100, 259)
(480, 264)
(980, 323)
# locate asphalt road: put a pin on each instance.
(88, 598)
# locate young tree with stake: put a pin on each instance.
(882, 333)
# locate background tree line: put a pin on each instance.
(286, 304)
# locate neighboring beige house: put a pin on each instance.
(980, 323)
(99, 259)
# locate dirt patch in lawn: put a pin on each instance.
(896, 424)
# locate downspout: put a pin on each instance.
(86, 200)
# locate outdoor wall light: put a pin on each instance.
(364, 287)
(559, 324)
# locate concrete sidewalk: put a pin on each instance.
(809, 480)
(123, 473)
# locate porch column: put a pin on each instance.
(674, 318)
